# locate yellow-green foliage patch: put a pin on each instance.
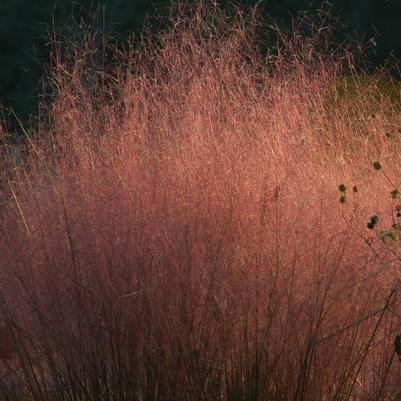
(353, 86)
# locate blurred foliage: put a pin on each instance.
(377, 86)
(356, 103)
(26, 26)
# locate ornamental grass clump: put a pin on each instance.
(174, 232)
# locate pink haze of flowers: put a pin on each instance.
(175, 232)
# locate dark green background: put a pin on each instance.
(25, 27)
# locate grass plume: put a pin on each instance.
(174, 232)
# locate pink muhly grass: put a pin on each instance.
(175, 232)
